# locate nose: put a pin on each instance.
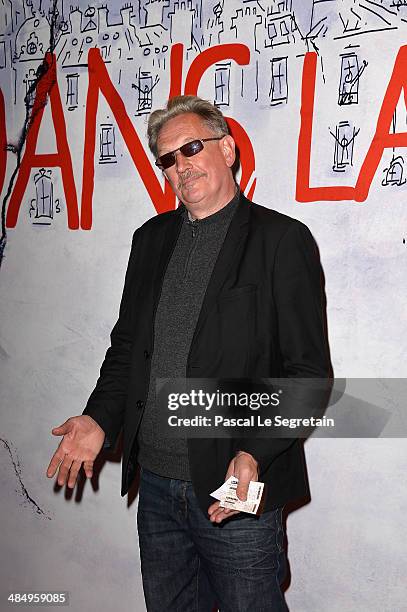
(182, 162)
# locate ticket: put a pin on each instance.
(226, 494)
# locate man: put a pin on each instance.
(219, 287)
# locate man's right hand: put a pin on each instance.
(81, 443)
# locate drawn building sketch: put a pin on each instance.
(279, 26)
(32, 48)
(214, 26)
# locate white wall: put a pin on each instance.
(60, 292)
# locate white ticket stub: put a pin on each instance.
(226, 494)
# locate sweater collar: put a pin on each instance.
(217, 217)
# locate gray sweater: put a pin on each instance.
(183, 290)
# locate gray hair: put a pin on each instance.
(178, 105)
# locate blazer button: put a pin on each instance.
(139, 404)
(146, 354)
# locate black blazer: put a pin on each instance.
(263, 315)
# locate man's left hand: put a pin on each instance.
(245, 468)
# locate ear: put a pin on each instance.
(228, 149)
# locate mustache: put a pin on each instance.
(188, 176)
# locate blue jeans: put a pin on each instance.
(189, 564)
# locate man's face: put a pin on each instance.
(204, 178)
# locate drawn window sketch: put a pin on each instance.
(344, 140)
(145, 98)
(222, 83)
(30, 88)
(279, 83)
(271, 31)
(284, 29)
(43, 203)
(2, 54)
(107, 146)
(351, 72)
(145, 88)
(72, 91)
(394, 174)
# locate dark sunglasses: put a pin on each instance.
(188, 150)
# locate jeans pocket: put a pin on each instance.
(274, 520)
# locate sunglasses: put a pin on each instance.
(188, 150)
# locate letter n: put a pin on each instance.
(99, 80)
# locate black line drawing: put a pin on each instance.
(351, 72)
(344, 137)
(394, 173)
(279, 81)
(30, 81)
(89, 14)
(72, 91)
(214, 26)
(145, 88)
(280, 27)
(398, 4)
(42, 206)
(107, 144)
(3, 56)
(26, 497)
(222, 84)
(352, 18)
(257, 82)
(30, 49)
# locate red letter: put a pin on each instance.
(99, 80)
(241, 54)
(46, 86)
(3, 141)
(176, 61)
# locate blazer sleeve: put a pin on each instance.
(106, 404)
(299, 301)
